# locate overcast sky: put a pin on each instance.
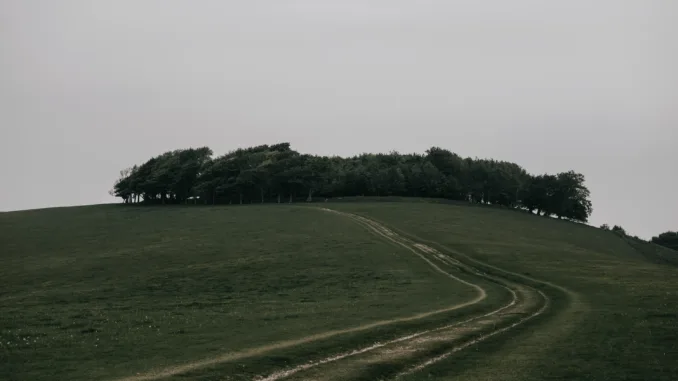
(90, 87)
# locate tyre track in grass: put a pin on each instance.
(468, 332)
(340, 356)
(574, 309)
(418, 249)
(448, 353)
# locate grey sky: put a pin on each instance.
(90, 87)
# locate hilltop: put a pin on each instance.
(352, 291)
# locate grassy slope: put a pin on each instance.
(624, 328)
(106, 291)
(161, 286)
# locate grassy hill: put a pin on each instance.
(623, 324)
(371, 291)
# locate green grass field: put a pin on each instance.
(250, 292)
(625, 326)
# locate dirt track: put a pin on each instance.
(526, 304)
(159, 374)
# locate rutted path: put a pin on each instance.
(411, 353)
(421, 250)
(407, 354)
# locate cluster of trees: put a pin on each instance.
(615, 229)
(276, 172)
(668, 239)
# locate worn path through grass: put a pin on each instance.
(411, 353)
(417, 249)
(111, 292)
(613, 312)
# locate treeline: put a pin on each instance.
(276, 173)
(668, 239)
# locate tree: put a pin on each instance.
(279, 172)
(619, 230)
(185, 171)
(314, 174)
(667, 239)
(123, 186)
(571, 197)
(539, 194)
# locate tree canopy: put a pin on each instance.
(276, 173)
(668, 239)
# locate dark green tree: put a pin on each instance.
(667, 239)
